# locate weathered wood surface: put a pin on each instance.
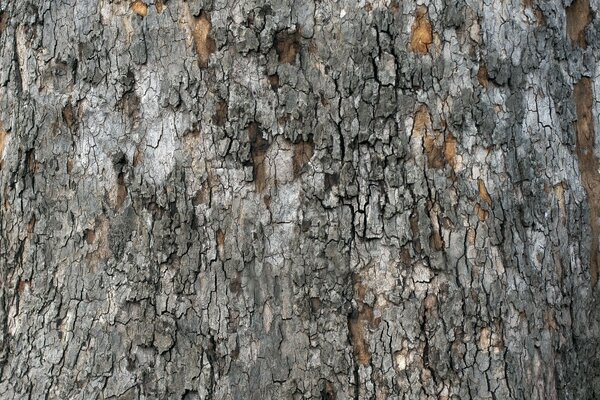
(299, 199)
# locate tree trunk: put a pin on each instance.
(299, 199)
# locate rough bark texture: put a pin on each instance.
(299, 199)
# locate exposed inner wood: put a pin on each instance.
(578, 17)
(258, 149)
(303, 152)
(140, 8)
(3, 139)
(205, 45)
(287, 46)
(220, 116)
(422, 33)
(588, 164)
(483, 192)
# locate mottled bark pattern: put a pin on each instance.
(206, 199)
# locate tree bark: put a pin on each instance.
(211, 199)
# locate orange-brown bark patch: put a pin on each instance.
(204, 43)
(422, 33)
(588, 164)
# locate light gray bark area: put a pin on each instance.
(297, 199)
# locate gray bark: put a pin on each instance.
(212, 199)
